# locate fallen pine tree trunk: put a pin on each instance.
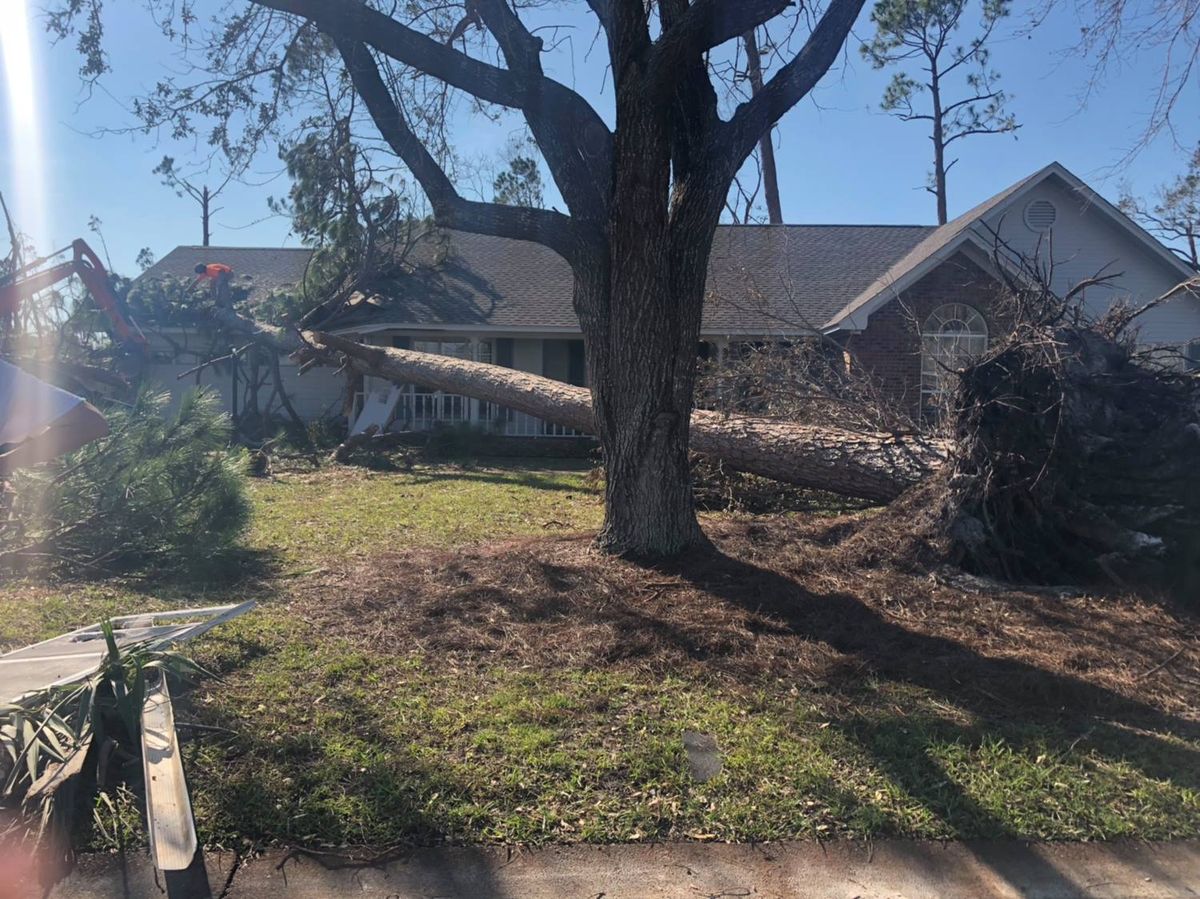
(877, 467)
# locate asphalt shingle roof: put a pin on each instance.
(762, 279)
(261, 270)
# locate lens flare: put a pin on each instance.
(22, 138)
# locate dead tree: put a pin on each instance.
(869, 465)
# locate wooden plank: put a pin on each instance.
(168, 806)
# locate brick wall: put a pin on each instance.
(889, 348)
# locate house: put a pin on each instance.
(901, 301)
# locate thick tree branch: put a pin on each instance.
(356, 21)
(451, 210)
(703, 25)
(693, 103)
(574, 141)
(577, 127)
(792, 83)
(604, 12)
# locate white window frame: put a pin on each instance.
(475, 349)
(951, 336)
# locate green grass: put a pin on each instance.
(309, 518)
(337, 746)
(334, 744)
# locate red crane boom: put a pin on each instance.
(84, 262)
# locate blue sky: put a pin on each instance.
(840, 158)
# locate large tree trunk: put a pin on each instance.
(877, 467)
(641, 335)
(641, 402)
(638, 295)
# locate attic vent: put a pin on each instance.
(1040, 216)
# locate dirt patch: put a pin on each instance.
(773, 601)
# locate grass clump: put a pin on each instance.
(442, 657)
(351, 511)
(337, 745)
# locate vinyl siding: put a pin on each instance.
(1083, 243)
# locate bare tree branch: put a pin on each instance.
(791, 83)
(451, 210)
(706, 24)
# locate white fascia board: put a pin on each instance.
(546, 330)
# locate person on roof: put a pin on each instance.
(219, 275)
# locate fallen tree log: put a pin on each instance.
(871, 466)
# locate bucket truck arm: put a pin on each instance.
(84, 262)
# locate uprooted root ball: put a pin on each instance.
(1076, 458)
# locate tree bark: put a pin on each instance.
(766, 148)
(641, 327)
(939, 147)
(876, 467)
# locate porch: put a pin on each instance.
(412, 408)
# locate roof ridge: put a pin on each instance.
(197, 246)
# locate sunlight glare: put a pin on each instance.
(23, 186)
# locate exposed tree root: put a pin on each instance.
(1076, 458)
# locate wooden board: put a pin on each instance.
(168, 806)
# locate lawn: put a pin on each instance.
(440, 656)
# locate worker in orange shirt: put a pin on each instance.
(219, 275)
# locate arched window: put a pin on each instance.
(952, 336)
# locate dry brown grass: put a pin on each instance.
(773, 601)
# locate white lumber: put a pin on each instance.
(168, 806)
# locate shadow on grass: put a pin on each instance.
(351, 787)
(514, 477)
(552, 610)
(987, 686)
(997, 691)
(240, 571)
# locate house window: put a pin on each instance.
(951, 337)
(1193, 356)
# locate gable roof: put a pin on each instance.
(259, 270)
(763, 279)
(942, 242)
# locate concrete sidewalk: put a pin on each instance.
(910, 870)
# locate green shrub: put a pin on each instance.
(156, 489)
